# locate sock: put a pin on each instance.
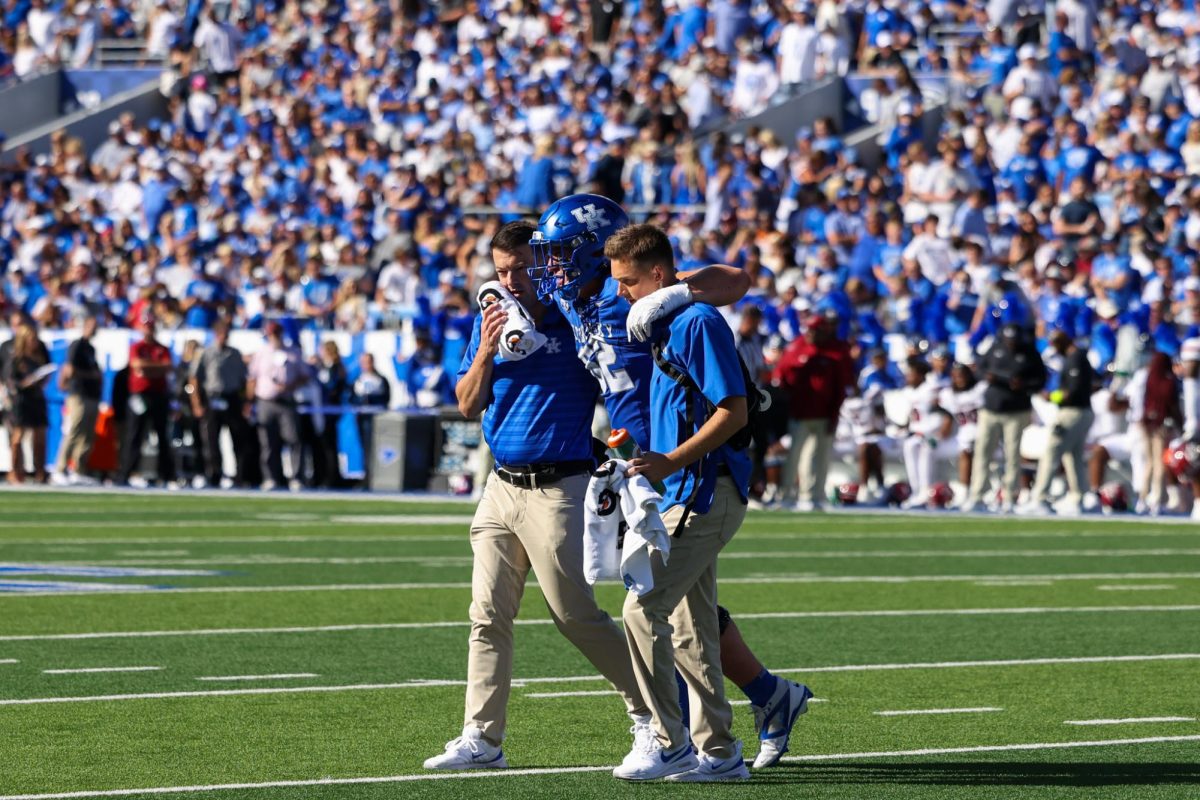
(761, 689)
(684, 702)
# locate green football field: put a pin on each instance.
(281, 647)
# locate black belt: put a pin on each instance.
(531, 476)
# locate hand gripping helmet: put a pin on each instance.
(568, 245)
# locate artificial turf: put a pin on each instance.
(363, 580)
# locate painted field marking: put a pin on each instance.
(424, 683)
(406, 519)
(278, 676)
(15, 588)
(993, 748)
(1136, 587)
(9, 661)
(84, 670)
(386, 626)
(915, 712)
(1068, 553)
(1127, 720)
(149, 553)
(406, 537)
(466, 560)
(1014, 583)
(518, 773)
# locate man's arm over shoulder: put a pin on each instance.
(717, 285)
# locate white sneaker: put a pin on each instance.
(138, 482)
(295, 485)
(469, 751)
(1196, 510)
(268, 485)
(972, 507)
(199, 482)
(1141, 509)
(712, 769)
(62, 479)
(648, 761)
(1007, 507)
(804, 506)
(776, 719)
(1091, 502)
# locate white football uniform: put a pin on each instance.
(923, 447)
(964, 407)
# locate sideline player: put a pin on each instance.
(537, 417)
(572, 271)
(674, 625)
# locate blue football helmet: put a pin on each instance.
(568, 245)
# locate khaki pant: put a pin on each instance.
(515, 529)
(1152, 442)
(674, 626)
(993, 425)
(1068, 438)
(81, 415)
(807, 460)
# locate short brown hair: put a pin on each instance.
(513, 236)
(644, 245)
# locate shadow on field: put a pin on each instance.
(987, 773)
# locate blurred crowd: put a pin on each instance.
(279, 410)
(342, 166)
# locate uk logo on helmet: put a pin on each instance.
(591, 216)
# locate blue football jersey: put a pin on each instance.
(622, 366)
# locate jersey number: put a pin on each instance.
(611, 380)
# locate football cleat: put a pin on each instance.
(776, 719)
(711, 769)
(469, 751)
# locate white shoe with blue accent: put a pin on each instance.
(775, 720)
(712, 769)
(648, 761)
(469, 751)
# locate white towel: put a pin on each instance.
(520, 337)
(612, 498)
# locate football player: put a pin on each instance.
(962, 400)
(570, 270)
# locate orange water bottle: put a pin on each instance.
(621, 445)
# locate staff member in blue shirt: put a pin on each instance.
(537, 417)
(704, 504)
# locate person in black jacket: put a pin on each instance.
(371, 392)
(322, 444)
(1014, 372)
(1068, 436)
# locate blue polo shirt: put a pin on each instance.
(540, 409)
(698, 341)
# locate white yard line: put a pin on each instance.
(1127, 720)
(1136, 587)
(9, 661)
(385, 626)
(85, 670)
(749, 580)
(775, 555)
(518, 773)
(1072, 553)
(522, 682)
(922, 711)
(278, 676)
(992, 748)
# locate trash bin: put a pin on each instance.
(402, 451)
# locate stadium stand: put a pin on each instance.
(983, 171)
